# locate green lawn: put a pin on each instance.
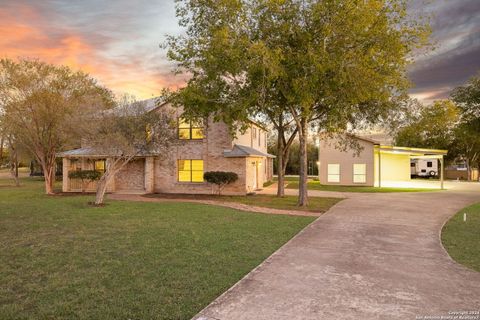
(315, 185)
(63, 259)
(316, 204)
(462, 239)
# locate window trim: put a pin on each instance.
(364, 175)
(190, 129)
(191, 170)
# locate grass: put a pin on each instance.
(64, 259)
(316, 204)
(462, 239)
(315, 185)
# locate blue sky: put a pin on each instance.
(118, 41)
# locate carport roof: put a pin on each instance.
(411, 151)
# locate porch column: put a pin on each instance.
(379, 169)
(441, 172)
(65, 170)
(149, 174)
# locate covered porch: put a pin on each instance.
(136, 176)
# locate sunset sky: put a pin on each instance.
(117, 42)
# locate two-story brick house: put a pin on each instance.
(200, 148)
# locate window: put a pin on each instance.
(190, 170)
(254, 133)
(100, 166)
(429, 164)
(412, 164)
(333, 173)
(259, 141)
(359, 173)
(75, 165)
(190, 130)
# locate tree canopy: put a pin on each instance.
(45, 107)
(335, 65)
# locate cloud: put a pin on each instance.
(114, 43)
(456, 58)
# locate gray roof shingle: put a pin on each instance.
(239, 151)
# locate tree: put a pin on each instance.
(47, 107)
(128, 131)
(431, 127)
(466, 144)
(467, 134)
(332, 65)
(468, 98)
(220, 178)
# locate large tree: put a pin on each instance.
(467, 134)
(468, 98)
(332, 65)
(430, 126)
(45, 108)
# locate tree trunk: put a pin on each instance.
(280, 164)
(469, 170)
(14, 162)
(302, 184)
(14, 167)
(49, 176)
(101, 189)
(2, 140)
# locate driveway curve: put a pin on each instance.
(372, 256)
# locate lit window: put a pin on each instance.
(333, 173)
(100, 166)
(359, 173)
(190, 170)
(190, 130)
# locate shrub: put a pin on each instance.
(220, 179)
(86, 176)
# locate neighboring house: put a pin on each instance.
(199, 148)
(375, 164)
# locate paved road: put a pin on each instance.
(372, 256)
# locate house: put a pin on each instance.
(367, 162)
(198, 149)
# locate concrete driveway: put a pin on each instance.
(372, 256)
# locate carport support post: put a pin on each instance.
(441, 172)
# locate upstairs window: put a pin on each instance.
(190, 129)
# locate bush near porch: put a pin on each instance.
(64, 259)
